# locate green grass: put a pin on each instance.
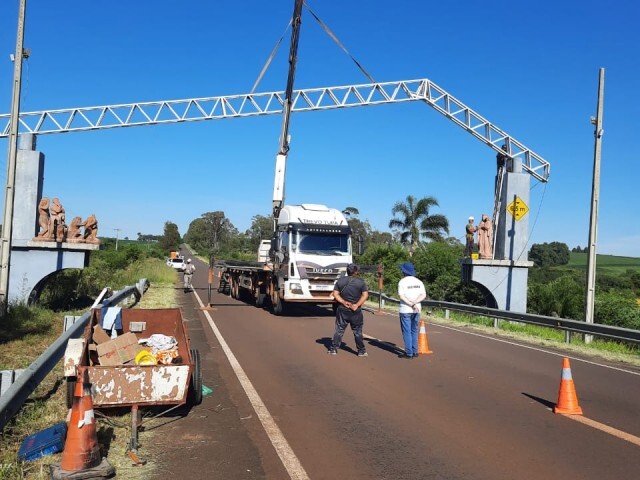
(604, 263)
(621, 352)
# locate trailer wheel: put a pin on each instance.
(234, 287)
(260, 298)
(195, 388)
(71, 390)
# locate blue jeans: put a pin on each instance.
(409, 323)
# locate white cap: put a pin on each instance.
(471, 218)
(188, 260)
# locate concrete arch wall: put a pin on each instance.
(37, 289)
(29, 267)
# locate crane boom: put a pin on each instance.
(306, 100)
(281, 157)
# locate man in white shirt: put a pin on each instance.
(189, 268)
(411, 292)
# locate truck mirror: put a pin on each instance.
(360, 244)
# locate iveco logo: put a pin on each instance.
(323, 270)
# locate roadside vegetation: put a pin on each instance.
(28, 330)
(418, 234)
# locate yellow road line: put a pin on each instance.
(627, 437)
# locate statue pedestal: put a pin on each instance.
(33, 261)
(503, 282)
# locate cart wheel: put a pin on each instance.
(195, 392)
(71, 390)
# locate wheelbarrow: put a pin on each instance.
(137, 385)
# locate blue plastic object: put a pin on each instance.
(45, 442)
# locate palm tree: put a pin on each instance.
(347, 212)
(413, 219)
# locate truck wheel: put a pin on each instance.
(195, 388)
(278, 305)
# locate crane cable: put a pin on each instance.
(335, 39)
(329, 32)
(273, 54)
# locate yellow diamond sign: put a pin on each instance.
(517, 208)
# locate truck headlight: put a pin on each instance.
(295, 288)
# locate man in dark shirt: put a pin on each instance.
(350, 292)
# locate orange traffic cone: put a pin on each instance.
(81, 449)
(423, 342)
(567, 398)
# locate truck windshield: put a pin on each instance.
(319, 243)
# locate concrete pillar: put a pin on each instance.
(28, 188)
(512, 232)
(504, 279)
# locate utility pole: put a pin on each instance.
(595, 203)
(7, 222)
(117, 232)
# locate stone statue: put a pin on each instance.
(91, 229)
(74, 235)
(43, 219)
(485, 234)
(56, 222)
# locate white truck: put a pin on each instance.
(310, 250)
(311, 244)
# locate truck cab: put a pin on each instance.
(310, 251)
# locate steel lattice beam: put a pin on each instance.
(249, 105)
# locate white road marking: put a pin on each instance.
(285, 452)
(578, 418)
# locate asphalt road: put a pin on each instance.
(479, 407)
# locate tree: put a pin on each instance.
(171, 237)
(549, 254)
(414, 221)
(212, 233)
(261, 229)
(563, 297)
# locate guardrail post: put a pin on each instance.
(567, 337)
(496, 323)
(446, 314)
(69, 320)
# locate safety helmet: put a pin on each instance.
(188, 260)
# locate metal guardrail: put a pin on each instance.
(26, 383)
(576, 326)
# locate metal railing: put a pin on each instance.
(26, 383)
(575, 326)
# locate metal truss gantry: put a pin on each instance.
(249, 105)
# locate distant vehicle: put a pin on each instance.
(177, 263)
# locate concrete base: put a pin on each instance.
(32, 265)
(503, 282)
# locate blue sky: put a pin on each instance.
(529, 68)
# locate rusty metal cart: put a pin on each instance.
(137, 386)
